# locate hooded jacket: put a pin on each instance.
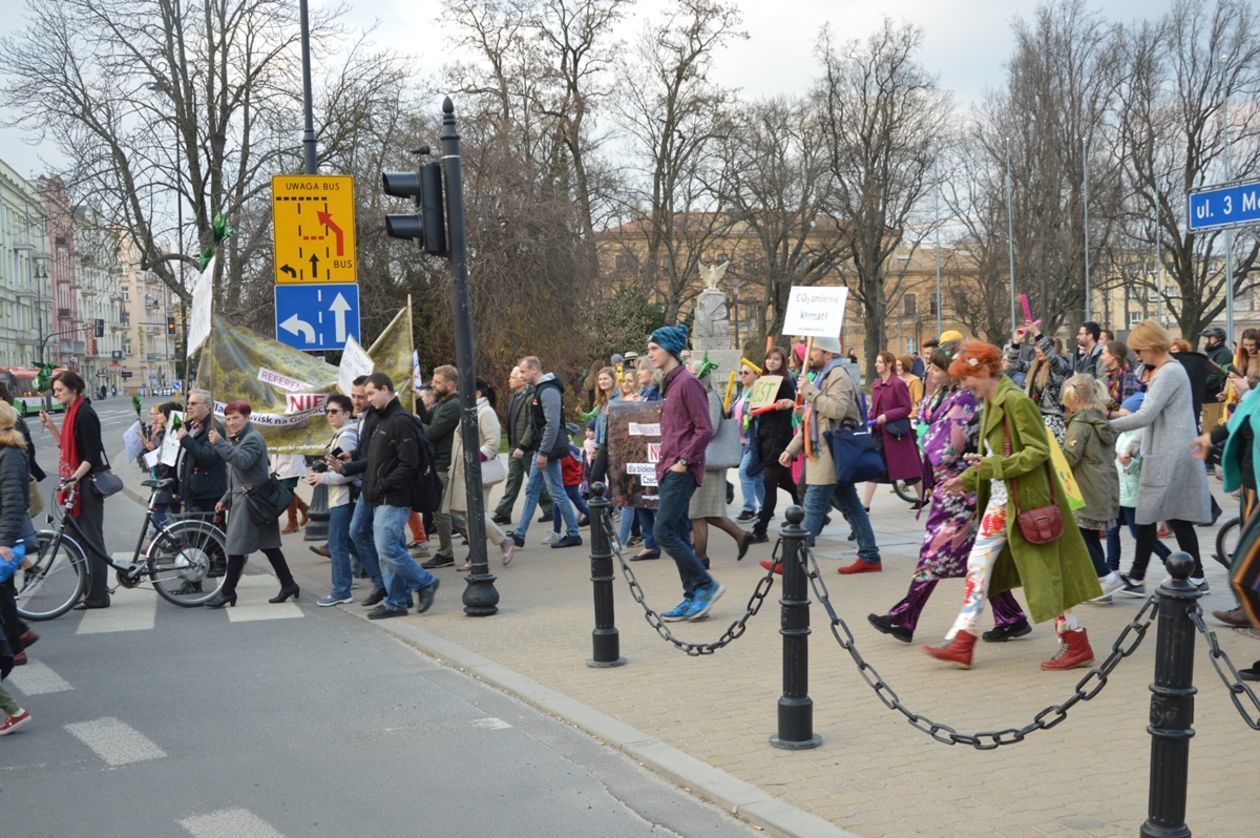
(547, 418)
(1089, 447)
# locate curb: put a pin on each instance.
(702, 780)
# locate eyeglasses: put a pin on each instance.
(333, 411)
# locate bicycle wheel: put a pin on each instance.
(186, 562)
(55, 583)
(906, 490)
(1227, 541)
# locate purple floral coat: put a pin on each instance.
(953, 428)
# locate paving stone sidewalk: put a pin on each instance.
(874, 775)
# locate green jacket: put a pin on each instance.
(440, 426)
(1231, 457)
(1089, 447)
(1054, 576)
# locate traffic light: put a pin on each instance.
(428, 224)
(170, 326)
(99, 329)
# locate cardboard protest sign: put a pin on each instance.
(634, 447)
(764, 390)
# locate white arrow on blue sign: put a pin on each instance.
(317, 318)
(1223, 206)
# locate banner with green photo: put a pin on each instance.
(285, 387)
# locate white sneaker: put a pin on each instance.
(550, 537)
(1110, 584)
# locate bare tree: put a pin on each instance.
(884, 121)
(1180, 72)
(675, 116)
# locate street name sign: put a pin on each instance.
(312, 218)
(1215, 207)
(317, 318)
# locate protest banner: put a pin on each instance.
(634, 447)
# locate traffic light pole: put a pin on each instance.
(481, 599)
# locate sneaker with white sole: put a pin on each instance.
(1110, 583)
(679, 612)
(12, 723)
(1131, 587)
(330, 600)
(550, 537)
(703, 599)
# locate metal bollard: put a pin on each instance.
(796, 708)
(1172, 703)
(605, 642)
(316, 528)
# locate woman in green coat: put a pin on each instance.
(1013, 475)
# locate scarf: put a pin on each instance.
(69, 450)
(811, 422)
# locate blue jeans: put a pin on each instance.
(1126, 518)
(402, 574)
(673, 527)
(844, 497)
(364, 545)
(339, 548)
(752, 488)
(575, 497)
(555, 487)
(646, 519)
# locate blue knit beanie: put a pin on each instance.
(673, 339)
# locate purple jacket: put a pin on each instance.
(892, 399)
(685, 426)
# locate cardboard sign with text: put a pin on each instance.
(764, 390)
(815, 311)
(634, 446)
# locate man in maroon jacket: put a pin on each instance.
(685, 433)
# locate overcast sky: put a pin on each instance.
(966, 42)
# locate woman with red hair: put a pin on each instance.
(1014, 476)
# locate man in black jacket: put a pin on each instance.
(393, 467)
(440, 425)
(351, 464)
(518, 465)
(202, 473)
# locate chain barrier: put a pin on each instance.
(733, 631)
(986, 740)
(1232, 681)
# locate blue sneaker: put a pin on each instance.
(679, 612)
(703, 599)
(334, 599)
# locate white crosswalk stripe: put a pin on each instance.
(252, 593)
(115, 741)
(229, 823)
(37, 678)
(129, 610)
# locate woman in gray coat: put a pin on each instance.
(246, 452)
(1173, 487)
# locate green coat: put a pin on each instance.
(1054, 576)
(1090, 450)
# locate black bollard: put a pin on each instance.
(796, 708)
(1172, 703)
(605, 641)
(316, 528)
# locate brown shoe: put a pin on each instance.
(1233, 617)
(1074, 651)
(322, 550)
(28, 638)
(957, 651)
(291, 528)
(19, 659)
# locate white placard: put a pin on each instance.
(169, 451)
(151, 459)
(354, 363)
(202, 305)
(815, 311)
(133, 441)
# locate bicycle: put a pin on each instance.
(1227, 541)
(185, 560)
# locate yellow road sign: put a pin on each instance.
(313, 220)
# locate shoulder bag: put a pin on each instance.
(1043, 524)
(105, 482)
(724, 450)
(854, 454)
(268, 500)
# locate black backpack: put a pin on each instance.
(426, 491)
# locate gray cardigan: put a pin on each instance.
(246, 456)
(1173, 484)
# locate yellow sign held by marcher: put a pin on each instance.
(312, 217)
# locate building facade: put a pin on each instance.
(24, 288)
(151, 311)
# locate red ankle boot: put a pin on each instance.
(957, 652)
(1074, 651)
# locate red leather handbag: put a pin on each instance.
(1043, 524)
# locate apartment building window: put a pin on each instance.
(910, 305)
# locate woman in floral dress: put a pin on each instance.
(951, 414)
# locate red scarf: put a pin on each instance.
(69, 451)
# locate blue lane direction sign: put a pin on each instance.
(1223, 206)
(317, 318)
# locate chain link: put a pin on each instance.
(985, 740)
(1233, 681)
(733, 631)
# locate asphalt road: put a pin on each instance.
(266, 720)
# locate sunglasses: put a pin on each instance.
(334, 411)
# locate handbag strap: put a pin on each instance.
(1006, 452)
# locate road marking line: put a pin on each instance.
(490, 723)
(252, 592)
(129, 610)
(37, 678)
(115, 741)
(229, 823)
